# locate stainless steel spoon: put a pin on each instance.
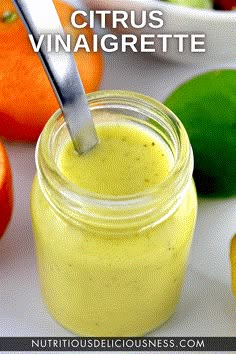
(40, 18)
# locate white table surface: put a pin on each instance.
(207, 307)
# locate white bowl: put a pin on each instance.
(218, 26)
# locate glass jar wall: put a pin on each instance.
(113, 265)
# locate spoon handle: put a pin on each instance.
(41, 18)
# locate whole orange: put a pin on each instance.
(6, 193)
(26, 97)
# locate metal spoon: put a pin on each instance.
(40, 18)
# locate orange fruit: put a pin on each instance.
(6, 193)
(233, 263)
(27, 99)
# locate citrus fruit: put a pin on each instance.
(27, 99)
(206, 105)
(198, 4)
(6, 194)
(233, 263)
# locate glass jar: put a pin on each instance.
(113, 266)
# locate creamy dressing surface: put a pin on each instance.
(101, 281)
(127, 160)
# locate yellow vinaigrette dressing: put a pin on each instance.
(113, 227)
(127, 160)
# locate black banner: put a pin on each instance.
(154, 344)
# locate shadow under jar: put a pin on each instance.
(112, 264)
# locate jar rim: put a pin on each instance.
(184, 160)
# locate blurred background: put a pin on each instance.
(207, 307)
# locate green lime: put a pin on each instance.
(199, 4)
(206, 105)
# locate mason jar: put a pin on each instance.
(113, 265)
